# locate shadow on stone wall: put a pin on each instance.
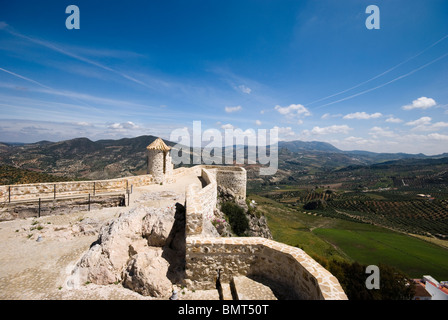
(175, 248)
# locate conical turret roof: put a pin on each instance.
(158, 144)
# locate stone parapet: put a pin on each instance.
(200, 203)
(48, 190)
(230, 177)
(288, 266)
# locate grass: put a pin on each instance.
(411, 255)
(293, 228)
(332, 238)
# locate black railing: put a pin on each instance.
(15, 196)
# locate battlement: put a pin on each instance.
(208, 259)
(286, 266)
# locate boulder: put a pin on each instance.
(129, 249)
(157, 225)
(116, 236)
(95, 267)
(146, 274)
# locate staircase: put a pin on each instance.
(244, 288)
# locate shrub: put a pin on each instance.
(236, 216)
(314, 205)
(394, 284)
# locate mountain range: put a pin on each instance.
(82, 158)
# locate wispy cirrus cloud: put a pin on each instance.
(25, 78)
(68, 53)
(245, 89)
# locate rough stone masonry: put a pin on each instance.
(148, 249)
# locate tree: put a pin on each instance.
(394, 284)
(237, 217)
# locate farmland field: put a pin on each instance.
(411, 255)
(324, 237)
(401, 211)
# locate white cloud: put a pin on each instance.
(285, 133)
(293, 110)
(82, 124)
(394, 120)
(420, 103)
(328, 115)
(419, 122)
(424, 124)
(245, 89)
(357, 140)
(362, 115)
(438, 136)
(123, 126)
(439, 125)
(381, 132)
(227, 126)
(334, 129)
(233, 109)
(258, 122)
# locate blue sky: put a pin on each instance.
(310, 68)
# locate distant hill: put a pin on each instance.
(300, 146)
(81, 158)
(12, 175)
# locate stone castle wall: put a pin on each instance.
(47, 190)
(249, 256)
(284, 265)
(155, 165)
(200, 203)
(233, 178)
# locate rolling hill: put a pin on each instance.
(82, 158)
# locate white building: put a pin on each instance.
(438, 291)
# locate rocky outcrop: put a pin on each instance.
(258, 226)
(146, 272)
(144, 249)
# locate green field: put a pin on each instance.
(332, 238)
(413, 256)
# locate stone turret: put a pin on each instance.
(159, 160)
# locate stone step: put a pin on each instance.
(244, 288)
(226, 291)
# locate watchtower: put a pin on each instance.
(159, 160)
